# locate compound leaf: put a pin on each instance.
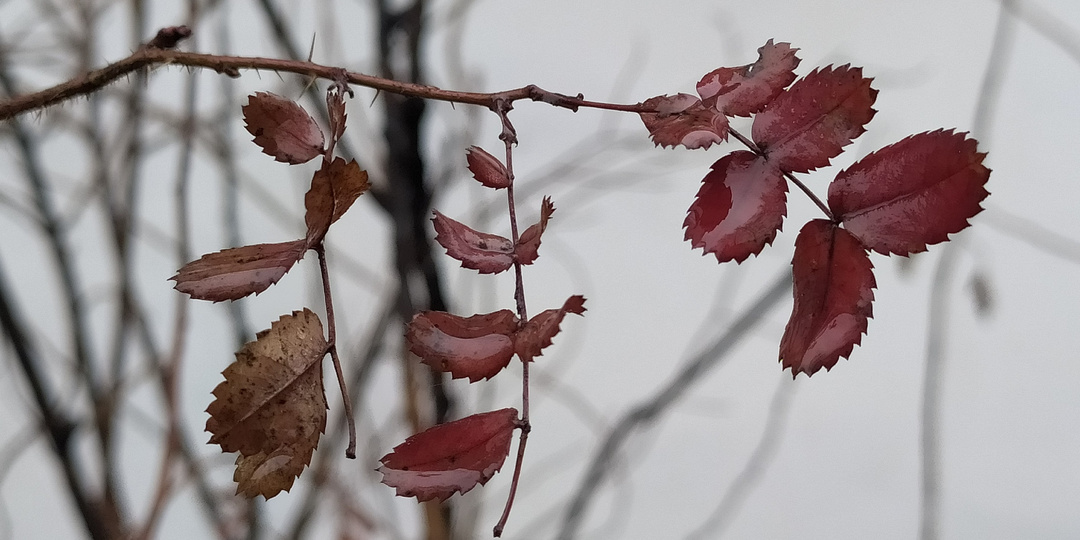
(833, 290)
(739, 208)
(912, 193)
(450, 458)
(811, 122)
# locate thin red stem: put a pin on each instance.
(509, 138)
(791, 178)
(331, 338)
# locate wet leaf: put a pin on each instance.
(811, 122)
(744, 90)
(271, 407)
(538, 332)
(529, 242)
(739, 208)
(833, 290)
(487, 253)
(486, 168)
(450, 458)
(282, 128)
(234, 273)
(476, 347)
(912, 193)
(683, 119)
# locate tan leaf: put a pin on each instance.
(271, 407)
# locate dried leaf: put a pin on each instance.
(271, 407)
(488, 253)
(833, 290)
(744, 90)
(739, 208)
(811, 122)
(486, 168)
(335, 106)
(450, 458)
(529, 242)
(234, 273)
(282, 128)
(476, 347)
(538, 332)
(319, 205)
(683, 119)
(912, 193)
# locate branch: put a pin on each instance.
(231, 65)
(650, 409)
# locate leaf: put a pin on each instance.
(811, 122)
(833, 292)
(538, 332)
(271, 407)
(744, 90)
(486, 168)
(476, 347)
(528, 244)
(450, 458)
(335, 106)
(234, 273)
(319, 205)
(739, 208)
(683, 119)
(487, 253)
(911, 193)
(282, 128)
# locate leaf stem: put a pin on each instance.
(509, 138)
(787, 174)
(331, 339)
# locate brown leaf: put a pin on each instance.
(234, 273)
(350, 182)
(528, 243)
(282, 128)
(488, 253)
(335, 105)
(486, 168)
(538, 332)
(334, 188)
(271, 407)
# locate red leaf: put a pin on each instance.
(739, 208)
(349, 181)
(476, 347)
(744, 90)
(319, 205)
(537, 333)
(810, 123)
(912, 193)
(237, 272)
(282, 128)
(529, 241)
(335, 105)
(488, 253)
(834, 284)
(683, 119)
(486, 168)
(450, 458)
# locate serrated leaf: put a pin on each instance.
(486, 168)
(476, 347)
(739, 208)
(744, 90)
(487, 253)
(234, 273)
(833, 290)
(450, 458)
(811, 122)
(282, 128)
(912, 193)
(335, 107)
(528, 246)
(271, 407)
(536, 335)
(683, 119)
(319, 205)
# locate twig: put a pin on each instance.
(648, 410)
(331, 325)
